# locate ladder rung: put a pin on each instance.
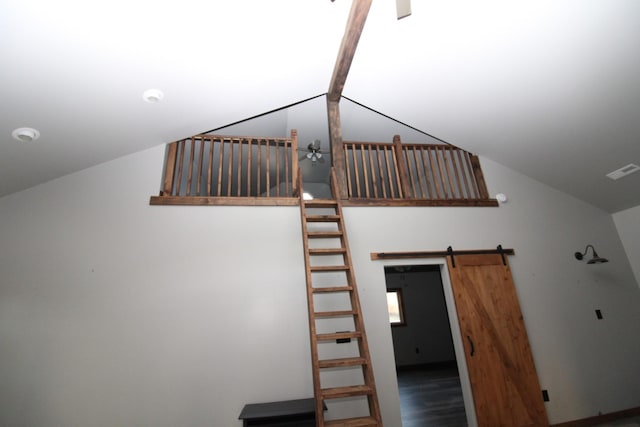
(335, 313)
(323, 234)
(353, 422)
(346, 361)
(339, 392)
(338, 335)
(327, 251)
(320, 268)
(332, 289)
(323, 218)
(321, 203)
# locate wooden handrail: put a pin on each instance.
(226, 170)
(231, 166)
(428, 173)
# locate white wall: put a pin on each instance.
(628, 225)
(587, 365)
(117, 313)
(114, 312)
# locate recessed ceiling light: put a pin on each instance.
(152, 96)
(25, 134)
(623, 171)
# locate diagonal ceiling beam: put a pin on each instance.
(355, 24)
(353, 30)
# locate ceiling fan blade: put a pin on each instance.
(403, 8)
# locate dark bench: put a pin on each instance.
(288, 413)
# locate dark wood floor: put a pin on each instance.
(430, 396)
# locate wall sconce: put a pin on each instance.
(595, 260)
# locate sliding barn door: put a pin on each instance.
(505, 386)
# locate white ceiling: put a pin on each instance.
(548, 88)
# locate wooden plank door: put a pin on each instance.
(504, 383)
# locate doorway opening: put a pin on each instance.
(426, 365)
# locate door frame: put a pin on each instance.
(456, 334)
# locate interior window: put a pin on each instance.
(395, 306)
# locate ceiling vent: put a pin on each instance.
(623, 171)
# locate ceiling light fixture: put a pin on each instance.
(595, 260)
(152, 96)
(623, 171)
(315, 156)
(25, 134)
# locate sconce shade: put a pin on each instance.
(594, 260)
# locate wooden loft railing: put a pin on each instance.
(413, 175)
(230, 170)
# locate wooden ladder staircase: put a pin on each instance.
(333, 304)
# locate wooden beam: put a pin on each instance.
(377, 256)
(223, 201)
(466, 203)
(337, 149)
(355, 24)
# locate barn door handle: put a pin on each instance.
(473, 347)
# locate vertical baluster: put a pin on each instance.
(425, 171)
(456, 174)
(220, 166)
(393, 185)
(383, 184)
(259, 169)
(356, 169)
(287, 147)
(249, 165)
(230, 168)
(372, 168)
(413, 177)
(277, 148)
(268, 171)
(200, 165)
(365, 173)
(432, 151)
(474, 183)
(419, 187)
(182, 143)
(462, 172)
(210, 168)
(443, 179)
(239, 143)
(191, 161)
(347, 146)
(418, 172)
(410, 185)
(293, 152)
(447, 167)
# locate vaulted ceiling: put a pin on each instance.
(548, 88)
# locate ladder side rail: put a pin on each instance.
(374, 406)
(313, 339)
